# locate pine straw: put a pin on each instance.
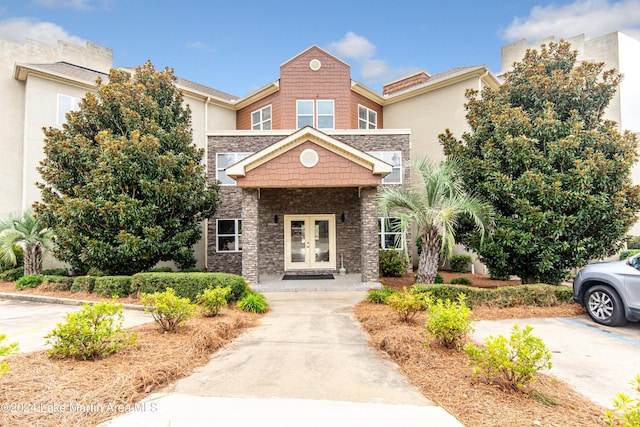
(445, 377)
(112, 385)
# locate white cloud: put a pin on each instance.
(361, 51)
(198, 45)
(588, 17)
(19, 29)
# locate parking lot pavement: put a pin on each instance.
(27, 322)
(597, 361)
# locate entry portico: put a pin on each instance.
(307, 204)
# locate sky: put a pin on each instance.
(238, 46)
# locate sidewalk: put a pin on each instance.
(307, 364)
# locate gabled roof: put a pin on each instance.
(86, 77)
(376, 166)
(318, 48)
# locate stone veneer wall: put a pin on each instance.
(350, 236)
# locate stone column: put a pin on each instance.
(250, 235)
(369, 230)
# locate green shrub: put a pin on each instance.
(627, 409)
(212, 300)
(167, 309)
(188, 285)
(29, 281)
(191, 270)
(633, 242)
(629, 252)
(12, 275)
(92, 333)
(112, 286)
(165, 269)
(505, 296)
(392, 263)
(407, 305)
(449, 322)
(379, 296)
(515, 360)
(60, 283)
(460, 281)
(56, 272)
(253, 302)
(94, 272)
(460, 263)
(6, 350)
(83, 284)
(19, 254)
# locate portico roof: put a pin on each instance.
(308, 158)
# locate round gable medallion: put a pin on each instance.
(315, 64)
(309, 158)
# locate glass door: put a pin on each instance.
(309, 242)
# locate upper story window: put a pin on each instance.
(223, 161)
(319, 114)
(367, 118)
(65, 104)
(261, 119)
(395, 159)
(390, 233)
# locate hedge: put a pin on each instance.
(505, 296)
(187, 285)
(60, 283)
(112, 286)
(83, 284)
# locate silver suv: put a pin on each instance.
(610, 291)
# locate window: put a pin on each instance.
(261, 119)
(395, 159)
(325, 114)
(223, 161)
(306, 113)
(367, 118)
(229, 235)
(66, 104)
(390, 233)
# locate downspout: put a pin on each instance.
(480, 81)
(206, 162)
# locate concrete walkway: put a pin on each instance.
(307, 364)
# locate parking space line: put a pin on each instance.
(600, 331)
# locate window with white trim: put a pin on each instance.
(229, 235)
(390, 233)
(319, 114)
(367, 118)
(223, 161)
(261, 119)
(395, 159)
(65, 104)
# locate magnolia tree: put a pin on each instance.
(123, 184)
(557, 173)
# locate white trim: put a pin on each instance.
(379, 154)
(287, 132)
(262, 120)
(333, 113)
(369, 111)
(245, 154)
(312, 115)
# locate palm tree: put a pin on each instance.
(435, 206)
(28, 233)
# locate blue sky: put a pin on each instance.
(238, 46)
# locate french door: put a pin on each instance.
(309, 242)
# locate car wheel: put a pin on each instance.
(605, 306)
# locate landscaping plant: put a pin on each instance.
(515, 360)
(460, 263)
(541, 150)
(91, 333)
(449, 322)
(29, 281)
(392, 263)
(167, 309)
(407, 305)
(379, 296)
(6, 350)
(253, 302)
(626, 409)
(123, 184)
(212, 300)
(31, 235)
